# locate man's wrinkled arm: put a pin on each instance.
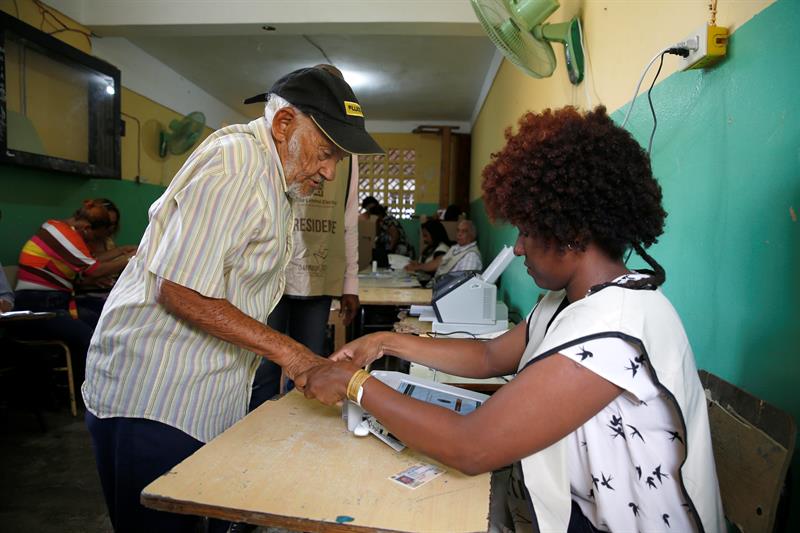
(218, 317)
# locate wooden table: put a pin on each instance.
(292, 463)
(391, 288)
(387, 288)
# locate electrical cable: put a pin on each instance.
(638, 85)
(138, 146)
(650, 100)
(318, 47)
(447, 334)
(44, 10)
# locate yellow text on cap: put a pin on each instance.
(353, 109)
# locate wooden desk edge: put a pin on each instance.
(162, 503)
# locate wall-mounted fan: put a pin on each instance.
(182, 135)
(517, 28)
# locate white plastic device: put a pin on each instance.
(456, 399)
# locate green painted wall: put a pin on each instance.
(32, 196)
(727, 154)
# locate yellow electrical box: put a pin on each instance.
(713, 46)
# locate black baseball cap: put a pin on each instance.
(330, 103)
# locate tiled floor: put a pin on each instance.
(48, 481)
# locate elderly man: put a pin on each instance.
(324, 265)
(172, 360)
(464, 255)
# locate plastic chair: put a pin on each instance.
(753, 444)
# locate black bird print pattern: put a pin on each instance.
(659, 474)
(675, 436)
(635, 433)
(649, 426)
(633, 368)
(616, 427)
(585, 354)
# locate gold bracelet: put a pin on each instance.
(356, 381)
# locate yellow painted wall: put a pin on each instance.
(56, 103)
(151, 116)
(30, 13)
(429, 157)
(68, 137)
(51, 88)
(621, 37)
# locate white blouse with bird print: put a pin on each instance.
(644, 462)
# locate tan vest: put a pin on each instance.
(318, 263)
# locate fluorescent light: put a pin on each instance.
(357, 79)
(110, 89)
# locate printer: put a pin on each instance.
(466, 302)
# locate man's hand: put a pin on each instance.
(301, 362)
(361, 351)
(326, 383)
(349, 307)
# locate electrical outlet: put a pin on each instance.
(711, 46)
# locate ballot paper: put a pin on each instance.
(417, 475)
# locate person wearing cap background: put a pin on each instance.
(173, 357)
(324, 265)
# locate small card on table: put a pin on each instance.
(417, 475)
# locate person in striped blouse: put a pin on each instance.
(174, 354)
(51, 264)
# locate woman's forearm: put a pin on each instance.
(462, 357)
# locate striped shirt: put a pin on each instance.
(52, 259)
(223, 229)
(459, 258)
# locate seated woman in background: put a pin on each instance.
(103, 240)
(605, 421)
(92, 293)
(464, 254)
(51, 264)
(436, 244)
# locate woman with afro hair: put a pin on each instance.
(605, 422)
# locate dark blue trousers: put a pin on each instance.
(130, 453)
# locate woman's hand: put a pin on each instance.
(412, 266)
(326, 383)
(361, 351)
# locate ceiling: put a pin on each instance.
(408, 61)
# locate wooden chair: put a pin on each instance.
(753, 445)
(11, 274)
